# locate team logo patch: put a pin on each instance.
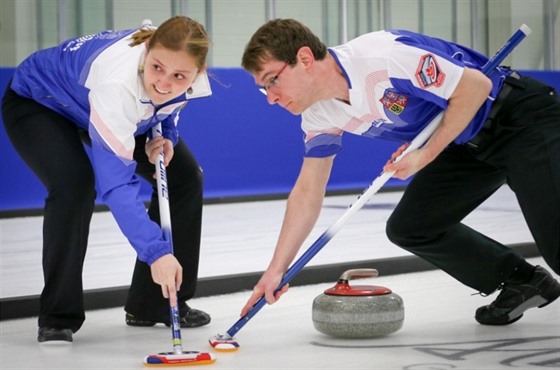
(428, 72)
(394, 102)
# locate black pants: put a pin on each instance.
(521, 148)
(52, 146)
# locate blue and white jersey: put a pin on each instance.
(398, 81)
(94, 81)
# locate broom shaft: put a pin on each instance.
(165, 221)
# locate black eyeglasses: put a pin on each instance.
(273, 82)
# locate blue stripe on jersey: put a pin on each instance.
(323, 145)
(445, 49)
(341, 68)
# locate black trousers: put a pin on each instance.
(521, 148)
(53, 147)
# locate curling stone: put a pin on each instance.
(364, 311)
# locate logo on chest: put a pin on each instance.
(394, 102)
(428, 72)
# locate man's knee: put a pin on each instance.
(398, 232)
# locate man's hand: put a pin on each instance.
(266, 286)
(408, 165)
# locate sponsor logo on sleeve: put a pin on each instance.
(428, 72)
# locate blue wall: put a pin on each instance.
(245, 146)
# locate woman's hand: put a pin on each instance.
(168, 273)
(153, 148)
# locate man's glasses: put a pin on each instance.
(273, 82)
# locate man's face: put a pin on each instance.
(286, 85)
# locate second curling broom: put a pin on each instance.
(177, 357)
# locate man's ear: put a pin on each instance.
(305, 56)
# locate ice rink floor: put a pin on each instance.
(439, 331)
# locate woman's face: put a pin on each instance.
(168, 74)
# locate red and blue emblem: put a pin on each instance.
(428, 72)
(394, 102)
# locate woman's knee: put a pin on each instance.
(73, 189)
(191, 179)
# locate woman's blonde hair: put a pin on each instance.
(177, 33)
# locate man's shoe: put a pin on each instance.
(514, 299)
(193, 318)
(53, 335)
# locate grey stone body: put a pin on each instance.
(358, 316)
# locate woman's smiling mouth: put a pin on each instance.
(161, 91)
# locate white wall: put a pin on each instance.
(232, 22)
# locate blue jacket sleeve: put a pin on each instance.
(119, 188)
(169, 127)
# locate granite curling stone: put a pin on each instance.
(365, 311)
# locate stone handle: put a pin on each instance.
(358, 273)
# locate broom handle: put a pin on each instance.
(165, 221)
(422, 137)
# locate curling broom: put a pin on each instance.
(227, 342)
(178, 357)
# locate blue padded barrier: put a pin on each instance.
(245, 146)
